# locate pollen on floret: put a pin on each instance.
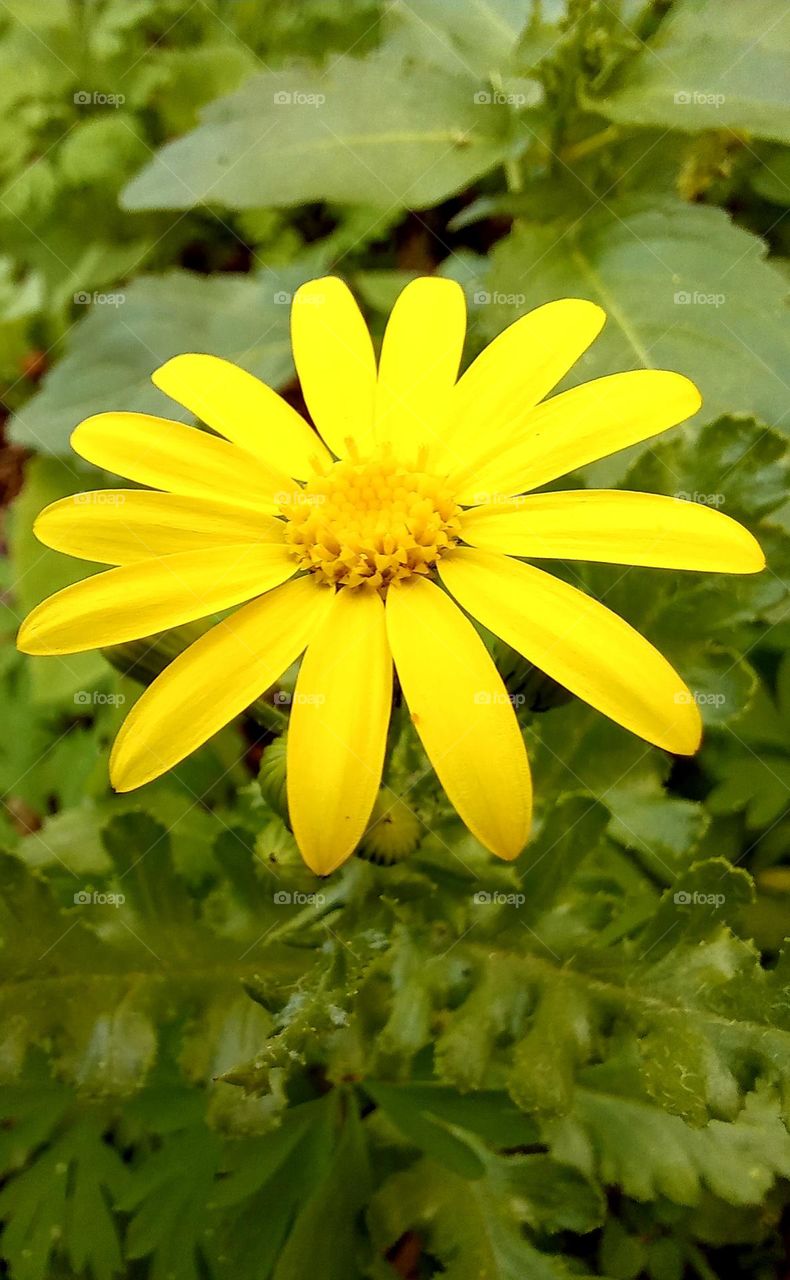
(371, 523)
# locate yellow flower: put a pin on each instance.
(359, 550)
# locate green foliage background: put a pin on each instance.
(575, 1066)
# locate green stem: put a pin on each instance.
(513, 175)
(645, 868)
(700, 1263)
(588, 145)
(311, 914)
(267, 716)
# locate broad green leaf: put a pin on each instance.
(650, 1154)
(479, 38)
(489, 1115)
(39, 572)
(59, 1200)
(357, 131)
(476, 1229)
(683, 288)
(115, 349)
(264, 1185)
(570, 831)
(167, 1200)
(145, 963)
(434, 1138)
(710, 68)
(329, 1214)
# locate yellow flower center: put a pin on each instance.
(371, 523)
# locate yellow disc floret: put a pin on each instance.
(371, 523)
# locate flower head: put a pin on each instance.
(356, 548)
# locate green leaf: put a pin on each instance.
(39, 572)
(578, 749)
(716, 310)
(264, 1185)
(356, 131)
(128, 961)
(60, 1202)
(488, 1114)
(330, 1212)
(434, 1138)
(483, 37)
(650, 1154)
(167, 1202)
(570, 831)
(736, 465)
(115, 349)
(477, 1229)
(709, 69)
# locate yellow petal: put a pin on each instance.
(119, 526)
(244, 410)
(579, 426)
(578, 642)
(152, 595)
(336, 364)
(615, 527)
(462, 712)
(338, 730)
(169, 455)
(419, 363)
(491, 402)
(214, 680)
